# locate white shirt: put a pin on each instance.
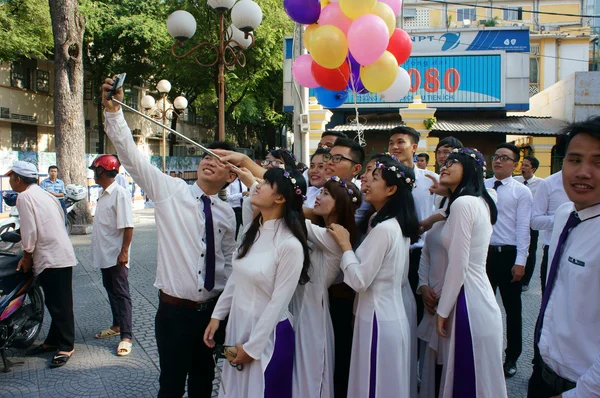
(181, 263)
(43, 231)
(550, 196)
(234, 193)
(113, 215)
(570, 340)
(514, 216)
(424, 200)
(311, 196)
(532, 183)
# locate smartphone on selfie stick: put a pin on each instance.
(117, 84)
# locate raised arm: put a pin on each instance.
(523, 226)
(322, 239)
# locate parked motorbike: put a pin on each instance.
(21, 302)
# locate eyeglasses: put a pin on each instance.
(448, 163)
(335, 158)
(274, 163)
(502, 158)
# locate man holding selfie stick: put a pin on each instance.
(196, 240)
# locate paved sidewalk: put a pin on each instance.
(96, 371)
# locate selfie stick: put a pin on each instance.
(211, 153)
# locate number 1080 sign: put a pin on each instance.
(432, 79)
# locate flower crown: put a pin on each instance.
(287, 175)
(472, 152)
(399, 174)
(344, 185)
(390, 155)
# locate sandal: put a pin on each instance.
(60, 360)
(40, 349)
(124, 348)
(108, 333)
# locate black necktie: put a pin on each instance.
(525, 182)
(497, 183)
(572, 222)
(241, 191)
(209, 278)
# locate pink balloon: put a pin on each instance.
(368, 38)
(395, 5)
(302, 72)
(332, 15)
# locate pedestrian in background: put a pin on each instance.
(55, 186)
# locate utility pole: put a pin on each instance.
(300, 96)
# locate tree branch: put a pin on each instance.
(235, 103)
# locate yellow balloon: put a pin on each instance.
(355, 8)
(381, 74)
(324, 3)
(308, 35)
(328, 46)
(386, 13)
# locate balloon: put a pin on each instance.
(400, 45)
(333, 15)
(380, 75)
(354, 82)
(384, 12)
(355, 8)
(302, 73)
(395, 5)
(303, 11)
(331, 79)
(398, 89)
(324, 3)
(368, 37)
(330, 99)
(308, 35)
(329, 46)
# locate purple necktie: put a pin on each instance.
(209, 278)
(572, 222)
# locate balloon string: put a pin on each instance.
(360, 136)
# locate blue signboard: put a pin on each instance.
(459, 41)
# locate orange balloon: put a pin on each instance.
(308, 34)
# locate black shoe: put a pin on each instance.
(510, 368)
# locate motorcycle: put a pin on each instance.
(21, 303)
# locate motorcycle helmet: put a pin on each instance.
(107, 162)
(75, 192)
(10, 198)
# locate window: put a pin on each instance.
(20, 76)
(88, 93)
(24, 137)
(131, 97)
(42, 81)
(533, 70)
(410, 13)
(466, 13)
(512, 14)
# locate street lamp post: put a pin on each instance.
(246, 16)
(164, 110)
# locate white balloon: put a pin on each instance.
(398, 89)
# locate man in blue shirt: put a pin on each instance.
(55, 186)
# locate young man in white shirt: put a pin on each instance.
(529, 165)
(567, 337)
(196, 241)
(422, 161)
(111, 241)
(48, 251)
(444, 148)
(236, 192)
(507, 254)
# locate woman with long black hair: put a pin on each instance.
(273, 257)
(381, 347)
(467, 311)
(279, 156)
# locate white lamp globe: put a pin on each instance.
(246, 15)
(148, 102)
(221, 4)
(163, 86)
(180, 103)
(237, 35)
(181, 25)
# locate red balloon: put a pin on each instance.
(400, 45)
(331, 79)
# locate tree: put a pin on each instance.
(25, 29)
(68, 26)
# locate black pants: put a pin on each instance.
(499, 271)
(531, 257)
(182, 352)
(413, 279)
(116, 284)
(537, 387)
(58, 295)
(341, 305)
(238, 219)
(544, 268)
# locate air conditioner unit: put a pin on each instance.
(466, 22)
(517, 24)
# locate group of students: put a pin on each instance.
(276, 297)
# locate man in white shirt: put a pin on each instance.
(48, 251)
(444, 148)
(509, 244)
(549, 196)
(422, 160)
(236, 192)
(528, 178)
(111, 241)
(403, 144)
(567, 337)
(196, 241)
(316, 176)
(328, 139)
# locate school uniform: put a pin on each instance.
(532, 183)
(235, 198)
(196, 239)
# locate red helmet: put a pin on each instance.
(107, 162)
